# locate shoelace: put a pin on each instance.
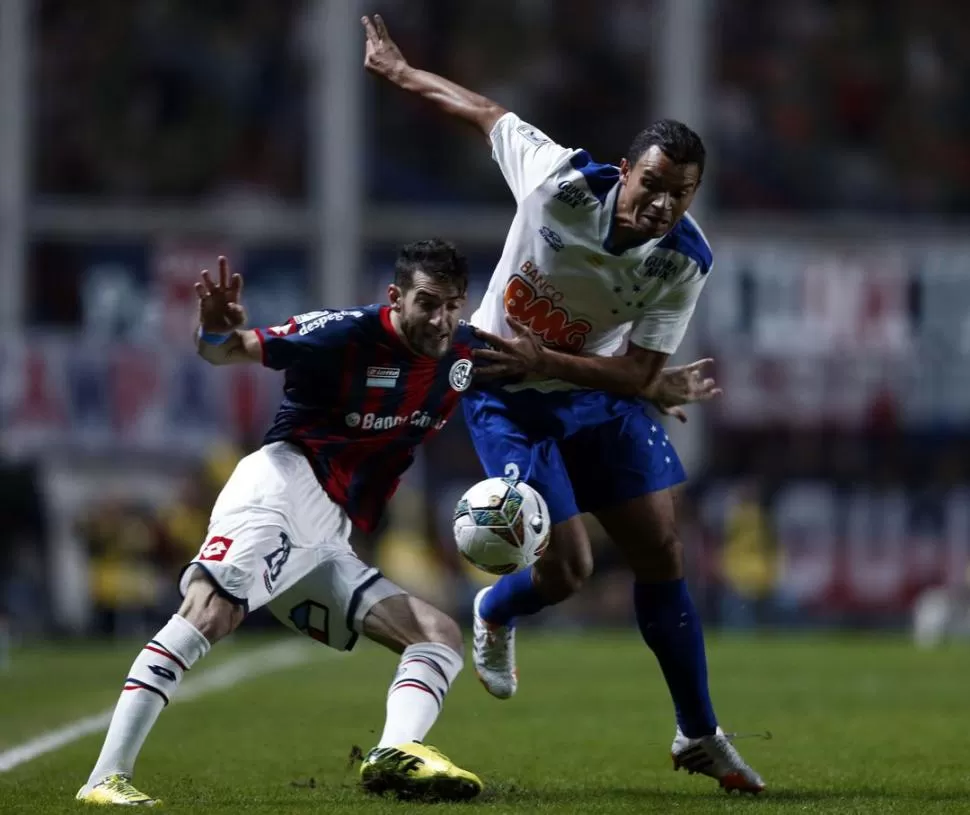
(496, 647)
(122, 785)
(725, 751)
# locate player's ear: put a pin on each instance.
(395, 296)
(624, 170)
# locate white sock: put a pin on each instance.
(417, 691)
(152, 680)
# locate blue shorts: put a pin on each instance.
(583, 450)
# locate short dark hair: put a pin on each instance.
(676, 139)
(437, 258)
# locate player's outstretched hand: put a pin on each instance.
(522, 354)
(381, 54)
(683, 385)
(220, 310)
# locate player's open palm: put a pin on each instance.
(683, 385)
(220, 309)
(381, 54)
(518, 356)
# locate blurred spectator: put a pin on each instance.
(168, 99)
(123, 546)
(185, 523)
(815, 105)
(406, 555)
(942, 613)
(748, 559)
(23, 587)
(854, 105)
(577, 70)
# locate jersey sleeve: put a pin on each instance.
(661, 326)
(307, 337)
(526, 155)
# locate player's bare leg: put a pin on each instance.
(430, 644)
(566, 565)
(645, 530)
(204, 617)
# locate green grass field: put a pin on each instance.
(859, 725)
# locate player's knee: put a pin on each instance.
(438, 627)
(212, 614)
(402, 620)
(661, 559)
(218, 618)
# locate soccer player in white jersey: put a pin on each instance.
(600, 273)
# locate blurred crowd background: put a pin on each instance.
(829, 487)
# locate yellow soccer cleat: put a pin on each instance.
(415, 771)
(115, 790)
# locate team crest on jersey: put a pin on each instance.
(460, 375)
(280, 330)
(531, 299)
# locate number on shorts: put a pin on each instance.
(512, 471)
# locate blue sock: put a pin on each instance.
(669, 624)
(513, 595)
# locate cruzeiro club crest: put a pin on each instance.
(460, 375)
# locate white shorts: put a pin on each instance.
(276, 538)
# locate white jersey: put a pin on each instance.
(557, 273)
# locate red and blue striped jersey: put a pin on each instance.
(358, 401)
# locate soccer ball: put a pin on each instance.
(501, 525)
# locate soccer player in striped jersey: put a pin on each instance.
(599, 276)
(363, 387)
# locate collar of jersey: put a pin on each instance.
(385, 315)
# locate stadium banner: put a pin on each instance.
(804, 333)
(827, 551)
(62, 396)
(142, 292)
(851, 334)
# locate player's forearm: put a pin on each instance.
(451, 97)
(624, 376)
(239, 346)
